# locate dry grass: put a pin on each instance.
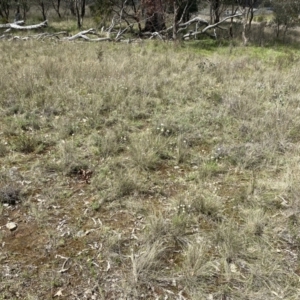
(149, 171)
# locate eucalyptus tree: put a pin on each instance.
(286, 15)
(5, 7)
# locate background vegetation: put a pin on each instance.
(168, 17)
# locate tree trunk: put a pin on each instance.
(231, 22)
(73, 7)
(56, 6)
(4, 10)
(82, 14)
(79, 24)
(43, 10)
(155, 20)
(216, 11)
(24, 9)
(137, 15)
(80, 11)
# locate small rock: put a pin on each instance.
(80, 233)
(59, 293)
(11, 226)
(233, 268)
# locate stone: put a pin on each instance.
(11, 226)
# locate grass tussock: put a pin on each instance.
(149, 171)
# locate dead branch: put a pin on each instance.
(195, 20)
(156, 34)
(112, 25)
(182, 26)
(152, 35)
(83, 35)
(121, 32)
(45, 35)
(212, 26)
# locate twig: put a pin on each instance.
(63, 268)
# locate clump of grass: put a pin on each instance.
(126, 184)
(148, 151)
(207, 204)
(3, 149)
(29, 122)
(52, 167)
(182, 150)
(71, 162)
(248, 155)
(167, 129)
(170, 230)
(148, 262)
(75, 168)
(13, 109)
(67, 154)
(210, 168)
(28, 144)
(194, 263)
(229, 240)
(111, 143)
(255, 221)
(158, 228)
(67, 129)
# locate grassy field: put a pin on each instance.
(149, 171)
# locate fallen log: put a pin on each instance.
(19, 27)
(8, 25)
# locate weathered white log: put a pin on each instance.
(8, 25)
(29, 27)
(45, 35)
(80, 34)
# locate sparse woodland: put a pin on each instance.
(117, 20)
(166, 167)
